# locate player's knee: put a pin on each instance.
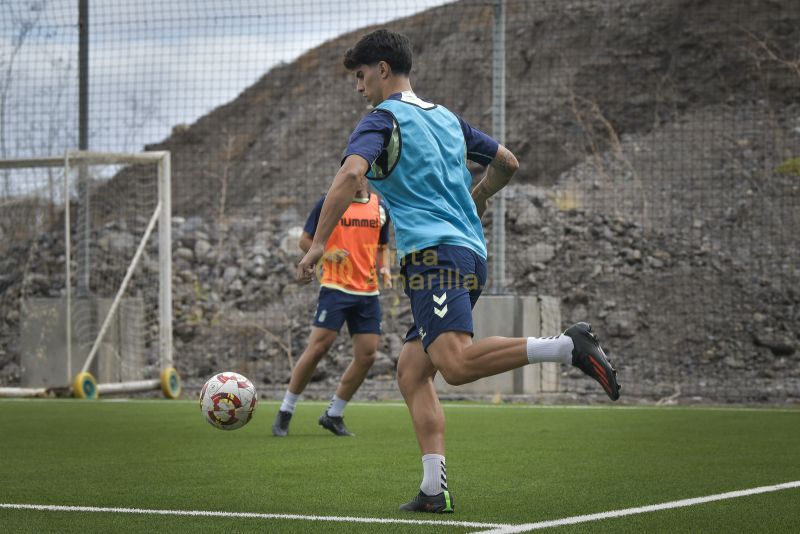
(453, 373)
(319, 349)
(403, 379)
(366, 358)
(449, 360)
(408, 379)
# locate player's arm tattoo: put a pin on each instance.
(505, 161)
(500, 171)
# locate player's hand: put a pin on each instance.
(386, 274)
(336, 256)
(307, 266)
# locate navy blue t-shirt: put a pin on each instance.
(313, 220)
(372, 135)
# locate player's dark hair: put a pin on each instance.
(381, 45)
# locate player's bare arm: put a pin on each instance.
(384, 262)
(344, 187)
(335, 256)
(305, 241)
(499, 173)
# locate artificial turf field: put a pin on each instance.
(507, 465)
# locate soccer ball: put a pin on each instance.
(228, 400)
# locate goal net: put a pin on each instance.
(87, 238)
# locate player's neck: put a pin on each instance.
(397, 85)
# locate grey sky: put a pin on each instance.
(154, 63)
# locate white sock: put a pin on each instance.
(336, 407)
(434, 474)
(289, 402)
(550, 349)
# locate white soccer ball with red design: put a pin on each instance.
(228, 400)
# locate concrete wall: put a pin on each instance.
(514, 316)
(43, 341)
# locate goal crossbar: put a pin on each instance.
(87, 158)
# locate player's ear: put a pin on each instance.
(384, 69)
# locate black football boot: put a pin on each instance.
(588, 356)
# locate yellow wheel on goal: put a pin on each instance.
(84, 386)
(171, 383)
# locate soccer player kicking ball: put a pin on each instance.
(349, 293)
(415, 153)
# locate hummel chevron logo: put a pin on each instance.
(441, 312)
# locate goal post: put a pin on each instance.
(123, 316)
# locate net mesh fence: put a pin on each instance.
(657, 197)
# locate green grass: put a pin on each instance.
(506, 465)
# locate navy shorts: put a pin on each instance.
(443, 283)
(362, 312)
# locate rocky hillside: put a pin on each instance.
(653, 197)
(575, 71)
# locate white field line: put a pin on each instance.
(446, 405)
(249, 515)
(510, 529)
(495, 528)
